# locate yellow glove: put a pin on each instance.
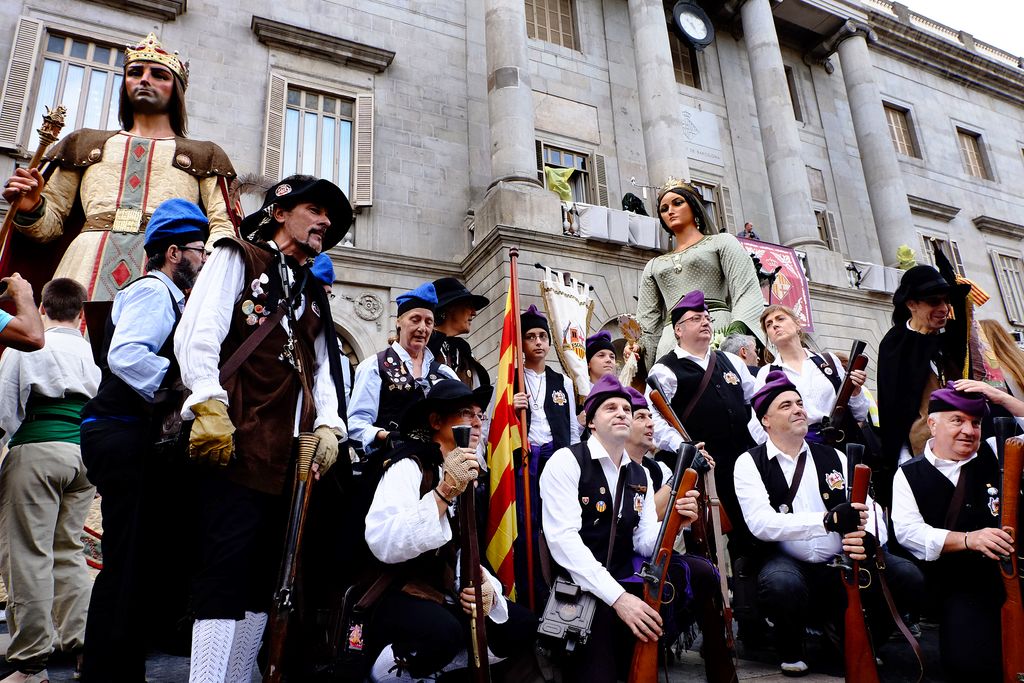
(211, 439)
(326, 448)
(487, 593)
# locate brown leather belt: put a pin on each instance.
(105, 220)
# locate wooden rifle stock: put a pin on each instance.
(472, 574)
(832, 424)
(644, 668)
(662, 406)
(1012, 613)
(859, 657)
(282, 607)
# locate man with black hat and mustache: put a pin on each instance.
(793, 495)
(419, 621)
(945, 511)
(250, 400)
(587, 488)
(924, 349)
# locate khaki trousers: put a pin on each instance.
(44, 500)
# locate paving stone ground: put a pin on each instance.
(899, 664)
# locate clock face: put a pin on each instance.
(693, 25)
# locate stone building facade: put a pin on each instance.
(841, 128)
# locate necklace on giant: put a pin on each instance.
(536, 391)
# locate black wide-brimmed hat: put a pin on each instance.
(444, 397)
(449, 290)
(302, 188)
(921, 282)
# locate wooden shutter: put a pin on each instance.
(14, 103)
(1011, 289)
(362, 181)
(539, 147)
(273, 129)
(833, 231)
(927, 257)
(955, 258)
(600, 181)
(727, 215)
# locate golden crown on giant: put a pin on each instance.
(673, 182)
(151, 50)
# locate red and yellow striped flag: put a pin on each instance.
(503, 442)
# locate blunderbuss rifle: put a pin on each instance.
(472, 574)
(1012, 612)
(720, 663)
(282, 607)
(655, 572)
(832, 424)
(858, 654)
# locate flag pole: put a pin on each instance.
(517, 355)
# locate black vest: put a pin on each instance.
(827, 464)
(655, 471)
(398, 389)
(115, 397)
(455, 352)
(596, 502)
(558, 415)
(934, 493)
(719, 420)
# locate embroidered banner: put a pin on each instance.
(790, 286)
(569, 307)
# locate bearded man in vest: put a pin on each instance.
(793, 494)
(249, 406)
(587, 488)
(89, 207)
(135, 592)
(945, 510)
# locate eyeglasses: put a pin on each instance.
(201, 250)
(538, 336)
(470, 414)
(696, 318)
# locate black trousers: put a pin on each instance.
(790, 591)
(138, 598)
(970, 641)
(429, 635)
(242, 534)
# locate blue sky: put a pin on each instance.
(997, 22)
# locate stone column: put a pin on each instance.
(787, 175)
(882, 174)
(661, 114)
(509, 95)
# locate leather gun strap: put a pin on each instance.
(704, 381)
(716, 526)
(616, 507)
(798, 474)
(893, 611)
(249, 345)
(957, 501)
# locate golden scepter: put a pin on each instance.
(53, 122)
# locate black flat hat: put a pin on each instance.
(921, 282)
(449, 290)
(444, 397)
(299, 188)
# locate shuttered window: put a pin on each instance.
(589, 181)
(1010, 276)
(552, 21)
(320, 133)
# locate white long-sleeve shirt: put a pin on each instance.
(815, 388)
(923, 540)
(362, 408)
(63, 366)
(665, 436)
(205, 323)
(801, 533)
(562, 519)
(401, 525)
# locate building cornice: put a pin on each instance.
(307, 42)
(947, 59)
(347, 259)
(999, 227)
(164, 10)
(932, 209)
